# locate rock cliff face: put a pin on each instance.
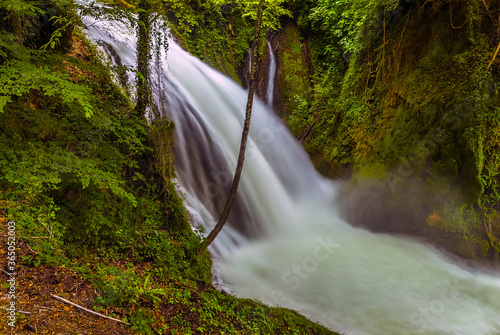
(417, 117)
(263, 66)
(293, 72)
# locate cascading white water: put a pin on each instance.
(286, 244)
(271, 74)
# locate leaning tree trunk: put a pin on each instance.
(143, 56)
(241, 157)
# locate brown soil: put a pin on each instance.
(39, 313)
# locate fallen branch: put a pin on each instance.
(23, 312)
(87, 310)
(10, 274)
(304, 135)
(33, 251)
(44, 307)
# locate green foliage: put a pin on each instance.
(140, 322)
(123, 287)
(301, 116)
(55, 38)
(24, 70)
(220, 31)
(175, 256)
(85, 165)
(273, 12)
(20, 7)
(119, 287)
(19, 78)
(344, 22)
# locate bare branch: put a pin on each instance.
(87, 310)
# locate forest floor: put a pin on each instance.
(38, 312)
(206, 311)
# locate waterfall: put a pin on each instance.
(285, 244)
(250, 56)
(271, 75)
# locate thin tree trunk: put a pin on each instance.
(143, 56)
(241, 157)
(17, 29)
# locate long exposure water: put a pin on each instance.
(285, 244)
(271, 75)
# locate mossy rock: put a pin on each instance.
(460, 246)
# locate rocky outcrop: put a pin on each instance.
(293, 72)
(418, 121)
